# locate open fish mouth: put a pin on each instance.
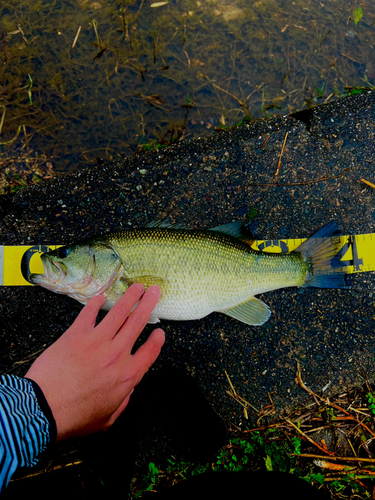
(54, 273)
(57, 279)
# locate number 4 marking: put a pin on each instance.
(356, 261)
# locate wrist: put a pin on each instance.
(45, 408)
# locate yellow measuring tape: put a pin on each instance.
(18, 262)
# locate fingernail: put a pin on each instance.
(154, 289)
(140, 287)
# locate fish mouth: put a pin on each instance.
(56, 280)
(54, 273)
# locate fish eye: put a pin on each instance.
(63, 252)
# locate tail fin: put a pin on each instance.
(322, 254)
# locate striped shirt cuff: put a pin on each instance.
(26, 425)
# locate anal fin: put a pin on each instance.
(252, 312)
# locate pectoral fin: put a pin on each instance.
(252, 312)
(146, 281)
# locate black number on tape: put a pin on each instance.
(355, 261)
(274, 243)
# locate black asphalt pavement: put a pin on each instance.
(202, 183)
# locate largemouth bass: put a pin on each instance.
(198, 271)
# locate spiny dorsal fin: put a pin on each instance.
(165, 224)
(234, 229)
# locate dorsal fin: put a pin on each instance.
(235, 229)
(165, 224)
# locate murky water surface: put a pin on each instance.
(82, 79)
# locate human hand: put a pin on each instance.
(89, 373)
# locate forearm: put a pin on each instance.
(26, 425)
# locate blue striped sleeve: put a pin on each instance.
(26, 425)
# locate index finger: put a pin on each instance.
(138, 319)
(87, 317)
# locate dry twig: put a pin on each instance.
(281, 155)
(367, 182)
(321, 179)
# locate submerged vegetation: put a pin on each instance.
(88, 79)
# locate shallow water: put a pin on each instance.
(82, 80)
